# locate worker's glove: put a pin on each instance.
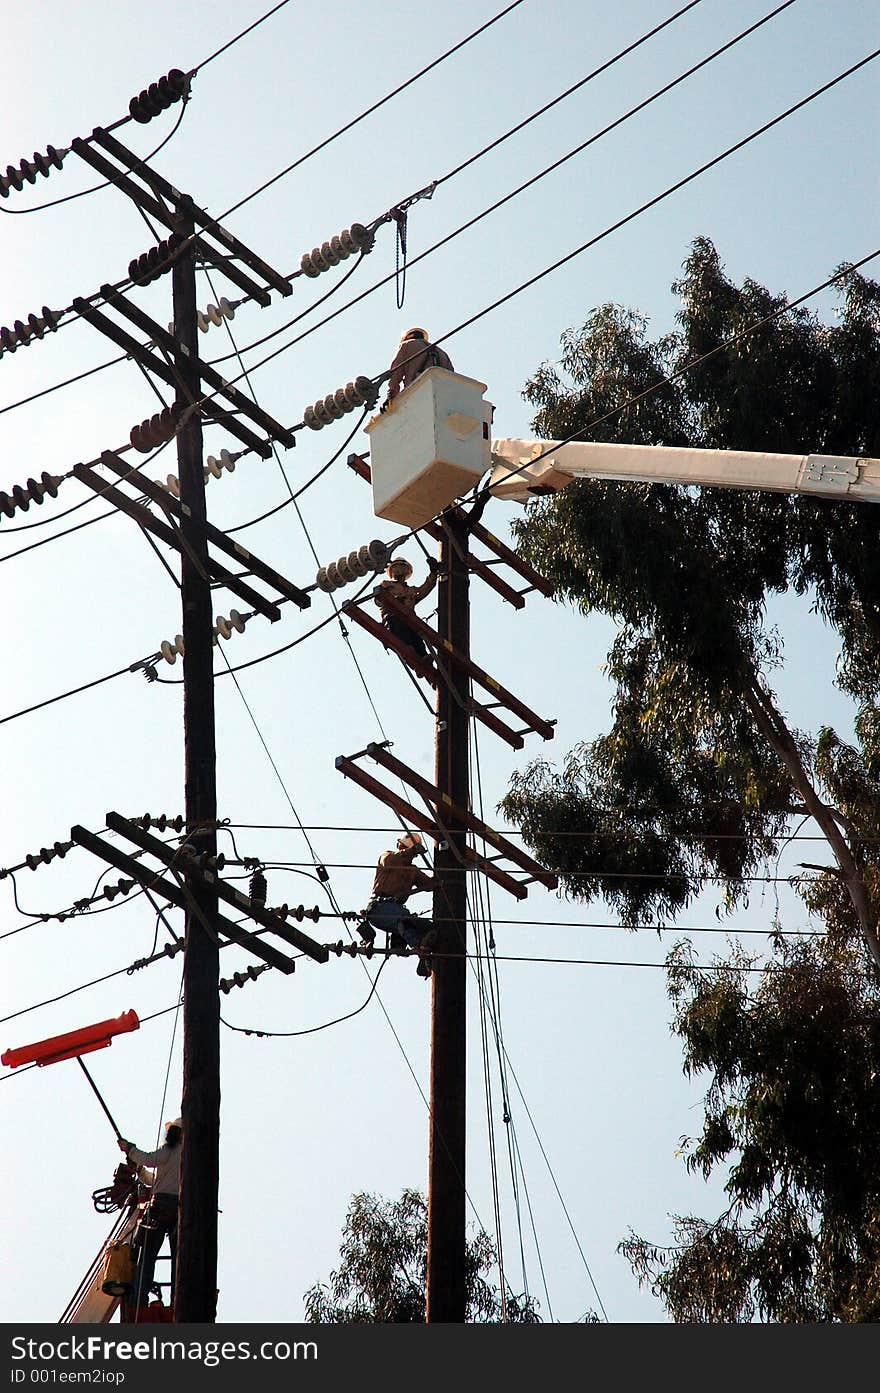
(433, 565)
(123, 1144)
(384, 407)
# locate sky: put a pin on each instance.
(331, 1100)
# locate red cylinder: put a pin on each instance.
(90, 1037)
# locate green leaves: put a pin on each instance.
(381, 1274)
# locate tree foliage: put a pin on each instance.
(381, 1274)
(793, 1111)
(701, 771)
(698, 741)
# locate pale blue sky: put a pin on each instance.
(307, 1121)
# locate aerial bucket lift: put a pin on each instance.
(429, 447)
(524, 469)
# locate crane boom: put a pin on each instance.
(525, 468)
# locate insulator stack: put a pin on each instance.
(157, 430)
(34, 491)
(156, 98)
(297, 912)
(47, 854)
(356, 238)
(161, 822)
(223, 628)
(213, 469)
(152, 264)
(27, 170)
(24, 332)
(372, 557)
(170, 651)
(238, 979)
(215, 314)
(362, 392)
(258, 888)
(121, 888)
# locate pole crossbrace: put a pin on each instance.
(462, 817)
(425, 668)
(480, 568)
(133, 167)
(164, 340)
(144, 518)
(175, 895)
(434, 828)
(448, 652)
(167, 500)
(184, 859)
(158, 365)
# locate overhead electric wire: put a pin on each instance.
(257, 22)
(592, 241)
(493, 145)
(69, 198)
(585, 246)
(542, 174)
(349, 125)
(689, 366)
(124, 120)
(89, 372)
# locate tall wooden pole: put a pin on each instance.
(445, 1284)
(196, 1278)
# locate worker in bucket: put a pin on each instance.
(160, 1171)
(395, 880)
(415, 354)
(397, 587)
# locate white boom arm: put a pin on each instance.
(519, 474)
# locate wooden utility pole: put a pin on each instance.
(445, 1283)
(196, 1276)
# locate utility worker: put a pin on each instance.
(415, 353)
(395, 880)
(397, 588)
(160, 1217)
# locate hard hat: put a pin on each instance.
(399, 561)
(414, 334)
(411, 839)
(176, 1122)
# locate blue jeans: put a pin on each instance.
(391, 916)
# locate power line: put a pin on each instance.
(349, 125)
(257, 22)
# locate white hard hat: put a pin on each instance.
(411, 839)
(399, 561)
(414, 334)
(175, 1122)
